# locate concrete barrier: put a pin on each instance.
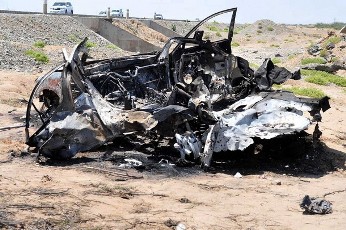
(161, 29)
(116, 35)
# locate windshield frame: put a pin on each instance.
(231, 24)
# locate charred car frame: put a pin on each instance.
(193, 90)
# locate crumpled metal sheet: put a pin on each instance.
(197, 92)
(314, 205)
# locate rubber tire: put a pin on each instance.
(71, 11)
(65, 11)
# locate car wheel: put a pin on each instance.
(71, 11)
(65, 11)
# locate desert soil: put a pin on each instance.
(92, 192)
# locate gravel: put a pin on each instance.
(18, 33)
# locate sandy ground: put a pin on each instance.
(102, 196)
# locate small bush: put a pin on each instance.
(112, 46)
(207, 36)
(90, 44)
(213, 28)
(254, 66)
(73, 38)
(335, 25)
(174, 27)
(274, 45)
(333, 39)
(291, 56)
(276, 60)
(260, 41)
(259, 31)
(323, 53)
(226, 30)
(308, 92)
(323, 78)
(38, 56)
(270, 28)
(334, 59)
(316, 60)
(40, 44)
(218, 34)
(235, 44)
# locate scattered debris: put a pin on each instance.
(238, 175)
(180, 226)
(193, 89)
(131, 163)
(316, 205)
(184, 200)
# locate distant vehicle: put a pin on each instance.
(61, 8)
(117, 13)
(158, 16)
(103, 13)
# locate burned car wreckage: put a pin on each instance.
(193, 90)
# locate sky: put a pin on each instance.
(249, 11)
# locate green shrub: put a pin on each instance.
(291, 56)
(254, 66)
(260, 41)
(112, 46)
(40, 44)
(90, 44)
(207, 36)
(276, 60)
(174, 27)
(324, 53)
(335, 25)
(333, 39)
(323, 78)
(270, 28)
(218, 34)
(259, 31)
(213, 28)
(334, 59)
(316, 60)
(38, 56)
(308, 92)
(73, 38)
(235, 44)
(274, 45)
(226, 30)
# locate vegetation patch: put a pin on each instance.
(314, 60)
(335, 25)
(291, 56)
(40, 44)
(307, 92)
(39, 56)
(218, 34)
(274, 45)
(323, 53)
(113, 47)
(254, 66)
(235, 44)
(90, 44)
(333, 39)
(213, 28)
(276, 60)
(73, 38)
(270, 28)
(323, 78)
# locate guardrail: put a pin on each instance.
(88, 15)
